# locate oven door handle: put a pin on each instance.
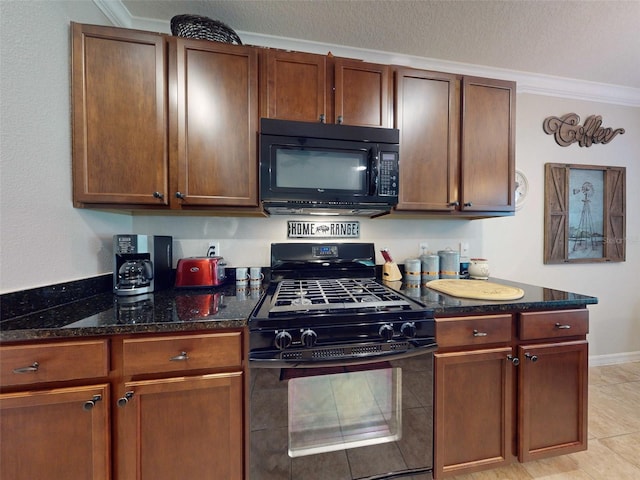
(272, 360)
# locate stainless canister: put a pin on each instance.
(430, 267)
(449, 263)
(412, 269)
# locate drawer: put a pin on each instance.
(53, 362)
(181, 353)
(557, 323)
(478, 330)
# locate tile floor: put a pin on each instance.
(614, 435)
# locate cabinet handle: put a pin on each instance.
(89, 404)
(454, 204)
(322, 118)
(562, 327)
(158, 195)
(122, 401)
(468, 204)
(533, 358)
(183, 357)
(514, 360)
(180, 195)
(340, 119)
(33, 368)
(476, 333)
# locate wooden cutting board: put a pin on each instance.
(476, 289)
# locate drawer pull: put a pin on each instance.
(183, 357)
(533, 358)
(33, 368)
(562, 327)
(476, 333)
(122, 401)
(89, 404)
(514, 360)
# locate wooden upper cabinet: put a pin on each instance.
(294, 86)
(215, 115)
(362, 93)
(488, 145)
(119, 87)
(300, 86)
(427, 115)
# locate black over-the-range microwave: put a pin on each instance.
(327, 169)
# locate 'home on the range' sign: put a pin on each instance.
(298, 229)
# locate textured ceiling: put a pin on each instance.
(589, 40)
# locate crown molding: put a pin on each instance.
(527, 82)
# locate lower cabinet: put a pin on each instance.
(182, 427)
(60, 433)
(552, 402)
(55, 411)
(509, 386)
(473, 410)
(144, 407)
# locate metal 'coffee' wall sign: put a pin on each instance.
(308, 229)
(567, 130)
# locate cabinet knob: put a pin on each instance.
(322, 118)
(33, 368)
(533, 358)
(89, 404)
(562, 327)
(180, 195)
(454, 204)
(468, 204)
(514, 360)
(340, 119)
(158, 195)
(183, 357)
(122, 401)
(476, 333)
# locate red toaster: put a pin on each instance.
(200, 272)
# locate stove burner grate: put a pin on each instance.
(333, 294)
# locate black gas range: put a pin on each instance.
(324, 306)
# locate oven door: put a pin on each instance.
(358, 421)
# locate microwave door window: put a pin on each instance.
(321, 170)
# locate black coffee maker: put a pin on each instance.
(142, 263)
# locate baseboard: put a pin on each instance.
(613, 359)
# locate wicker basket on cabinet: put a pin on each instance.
(203, 28)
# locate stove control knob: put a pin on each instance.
(309, 338)
(386, 331)
(283, 340)
(408, 329)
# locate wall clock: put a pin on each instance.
(522, 188)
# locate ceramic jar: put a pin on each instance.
(479, 268)
(449, 263)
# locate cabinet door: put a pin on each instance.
(295, 86)
(362, 93)
(215, 115)
(552, 404)
(427, 115)
(488, 145)
(119, 90)
(52, 434)
(473, 411)
(183, 427)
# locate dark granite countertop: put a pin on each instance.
(190, 310)
(173, 310)
(535, 298)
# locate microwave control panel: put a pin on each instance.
(388, 182)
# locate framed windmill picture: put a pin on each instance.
(584, 219)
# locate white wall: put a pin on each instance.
(44, 240)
